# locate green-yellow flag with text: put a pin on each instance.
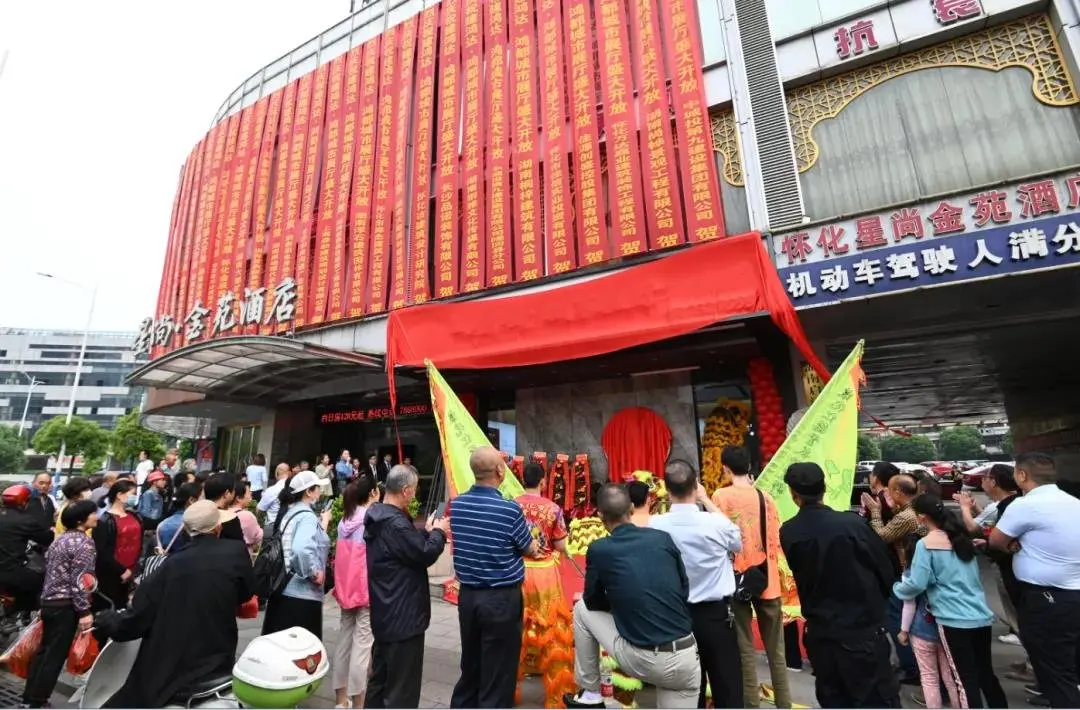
(460, 435)
(827, 435)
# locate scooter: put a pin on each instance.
(278, 670)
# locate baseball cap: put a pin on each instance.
(805, 478)
(156, 476)
(201, 517)
(303, 481)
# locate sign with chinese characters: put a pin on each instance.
(376, 413)
(947, 12)
(855, 39)
(1010, 205)
(1039, 244)
(229, 314)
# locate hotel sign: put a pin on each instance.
(998, 231)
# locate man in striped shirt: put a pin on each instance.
(490, 537)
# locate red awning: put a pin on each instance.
(671, 296)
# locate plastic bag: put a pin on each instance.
(84, 651)
(18, 656)
(249, 609)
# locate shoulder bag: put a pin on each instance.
(751, 583)
(153, 562)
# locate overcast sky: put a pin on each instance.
(100, 104)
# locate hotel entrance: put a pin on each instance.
(366, 428)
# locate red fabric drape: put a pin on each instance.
(635, 439)
(671, 296)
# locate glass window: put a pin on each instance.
(502, 430)
(302, 67)
(791, 17)
(336, 32)
(712, 32)
(335, 49)
(275, 82)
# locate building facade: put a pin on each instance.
(37, 372)
(901, 163)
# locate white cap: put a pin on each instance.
(303, 481)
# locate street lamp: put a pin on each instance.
(78, 364)
(29, 393)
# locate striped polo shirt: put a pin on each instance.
(490, 536)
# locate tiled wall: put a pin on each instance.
(571, 418)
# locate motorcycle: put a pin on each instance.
(279, 670)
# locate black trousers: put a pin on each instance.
(853, 673)
(718, 649)
(284, 612)
(1050, 628)
(58, 627)
(24, 585)
(397, 669)
(490, 622)
(969, 651)
(792, 649)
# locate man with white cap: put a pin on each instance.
(200, 587)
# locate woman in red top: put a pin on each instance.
(118, 539)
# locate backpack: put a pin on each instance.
(271, 571)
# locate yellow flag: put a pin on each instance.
(460, 435)
(827, 435)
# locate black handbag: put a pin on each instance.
(751, 583)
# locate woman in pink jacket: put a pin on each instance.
(352, 655)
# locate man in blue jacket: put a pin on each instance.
(398, 556)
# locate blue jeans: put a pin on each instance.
(904, 655)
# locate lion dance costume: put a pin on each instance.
(547, 647)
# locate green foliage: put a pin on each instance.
(129, 438)
(187, 450)
(961, 442)
(908, 449)
(83, 438)
(12, 450)
(414, 508)
(868, 448)
(92, 464)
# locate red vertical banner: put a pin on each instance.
(339, 257)
(284, 192)
(528, 251)
(363, 172)
(167, 285)
(302, 271)
(226, 254)
(240, 246)
(499, 271)
(446, 180)
(701, 186)
(419, 287)
(473, 260)
(207, 193)
(259, 221)
(384, 158)
(588, 182)
(620, 131)
(186, 272)
(222, 173)
(399, 282)
(663, 219)
(319, 290)
(558, 223)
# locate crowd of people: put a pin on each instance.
(671, 597)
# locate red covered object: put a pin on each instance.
(636, 439)
(665, 298)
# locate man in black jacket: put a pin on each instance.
(844, 576)
(42, 506)
(18, 528)
(398, 556)
(200, 587)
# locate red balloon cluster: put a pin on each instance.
(771, 427)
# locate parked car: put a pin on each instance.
(940, 468)
(973, 478)
(862, 472)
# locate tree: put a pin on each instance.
(12, 450)
(81, 437)
(130, 437)
(868, 449)
(908, 449)
(961, 442)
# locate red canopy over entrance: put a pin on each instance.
(671, 296)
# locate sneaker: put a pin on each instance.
(1033, 689)
(1010, 639)
(572, 700)
(793, 669)
(1019, 666)
(918, 699)
(1022, 676)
